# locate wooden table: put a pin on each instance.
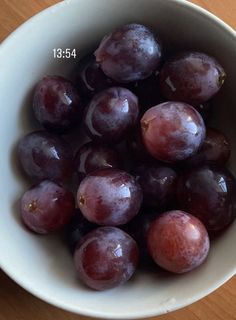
(17, 304)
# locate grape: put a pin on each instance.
(111, 114)
(109, 197)
(106, 258)
(130, 53)
(47, 207)
(215, 150)
(57, 104)
(137, 148)
(209, 194)
(44, 155)
(191, 77)
(137, 228)
(158, 185)
(76, 229)
(89, 77)
(177, 241)
(172, 131)
(91, 157)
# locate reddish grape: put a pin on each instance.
(89, 78)
(77, 229)
(47, 207)
(57, 104)
(191, 77)
(158, 185)
(209, 194)
(109, 197)
(215, 150)
(111, 114)
(91, 157)
(178, 241)
(131, 52)
(45, 156)
(106, 258)
(172, 131)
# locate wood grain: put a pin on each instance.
(16, 303)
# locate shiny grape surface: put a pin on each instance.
(208, 193)
(92, 156)
(192, 77)
(158, 184)
(172, 131)
(44, 155)
(111, 114)
(106, 258)
(177, 241)
(57, 104)
(109, 197)
(47, 207)
(130, 53)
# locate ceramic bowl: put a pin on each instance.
(42, 265)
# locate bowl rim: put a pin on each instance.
(78, 309)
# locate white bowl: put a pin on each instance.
(42, 265)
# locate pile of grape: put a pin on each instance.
(152, 183)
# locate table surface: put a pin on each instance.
(16, 303)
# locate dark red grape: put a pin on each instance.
(47, 207)
(191, 77)
(90, 78)
(172, 131)
(44, 155)
(209, 194)
(131, 52)
(137, 148)
(137, 228)
(158, 185)
(106, 258)
(77, 229)
(91, 157)
(177, 241)
(214, 150)
(111, 114)
(57, 104)
(109, 197)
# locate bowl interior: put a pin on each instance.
(41, 264)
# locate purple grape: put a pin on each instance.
(106, 258)
(191, 77)
(178, 241)
(111, 114)
(209, 194)
(57, 104)
(47, 207)
(44, 155)
(158, 185)
(130, 53)
(109, 197)
(77, 229)
(172, 131)
(90, 78)
(92, 156)
(215, 150)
